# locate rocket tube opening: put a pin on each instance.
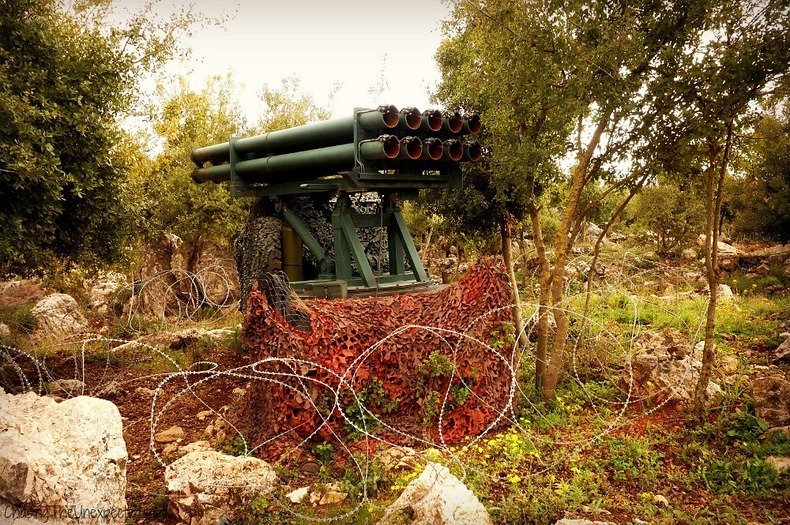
(454, 122)
(412, 146)
(412, 118)
(391, 145)
(389, 115)
(433, 149)
(473, 152)
(453, 150)
(472, 124)
(432, 120)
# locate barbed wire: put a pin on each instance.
(24, 371)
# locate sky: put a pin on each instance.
(375, 52)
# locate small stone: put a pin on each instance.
(332, 497)
(782, 353)
(729, 364)
(776, 431)
(111, 389)
(204, 414)
(5, 331)
(170, 435)
(658, 499)
(239, 392)
(141, 391)
(298, 495)
(779, 464)
(169, 449)
(66, 387)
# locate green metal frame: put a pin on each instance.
(348, 247)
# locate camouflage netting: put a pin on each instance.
(259, 249)
(431, 365)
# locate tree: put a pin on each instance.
(759, 196)
(558, 84)
(673, 214)
(67, 77)
(169, 200)
(708, 94)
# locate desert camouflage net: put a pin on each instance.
(414, 367)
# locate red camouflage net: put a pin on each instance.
(358, 341)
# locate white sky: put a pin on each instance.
(354, 43)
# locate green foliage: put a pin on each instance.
(759, 198)
(167, 199)
(361, 407)
(633, 460)
(68, 75)
(324, 452)
(60, 183)
(676, 217)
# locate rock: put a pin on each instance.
(170, 449)
(762, 270)
(776, 431)
(780, 465)
(436, 497)
(724, 294)
(689, 254)
(66, 387)
(729, 257)
(205, 487)
(772, 400)
(5, 331)
(781, 354)
(660, 500)
(58, 456)
(202, 415)
(298, 495)
(664, 368)
(397, 458)
(59, 315)
(170, 435)
(106, 292)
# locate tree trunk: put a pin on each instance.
(507, 255)
(541, 352)
(714, 181)
(562, 245)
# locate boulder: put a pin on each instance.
(729, 257)
(779, 464)
(58, 459)
(724, 294)
(106, 292)
(205, 487)
(59, 315)
(436, 497)
(772, 400)
(664, 368)
(781, 354)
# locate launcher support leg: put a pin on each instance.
(400, 241)
(347, 244)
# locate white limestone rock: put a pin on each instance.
(439, 498)
(61, 458)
